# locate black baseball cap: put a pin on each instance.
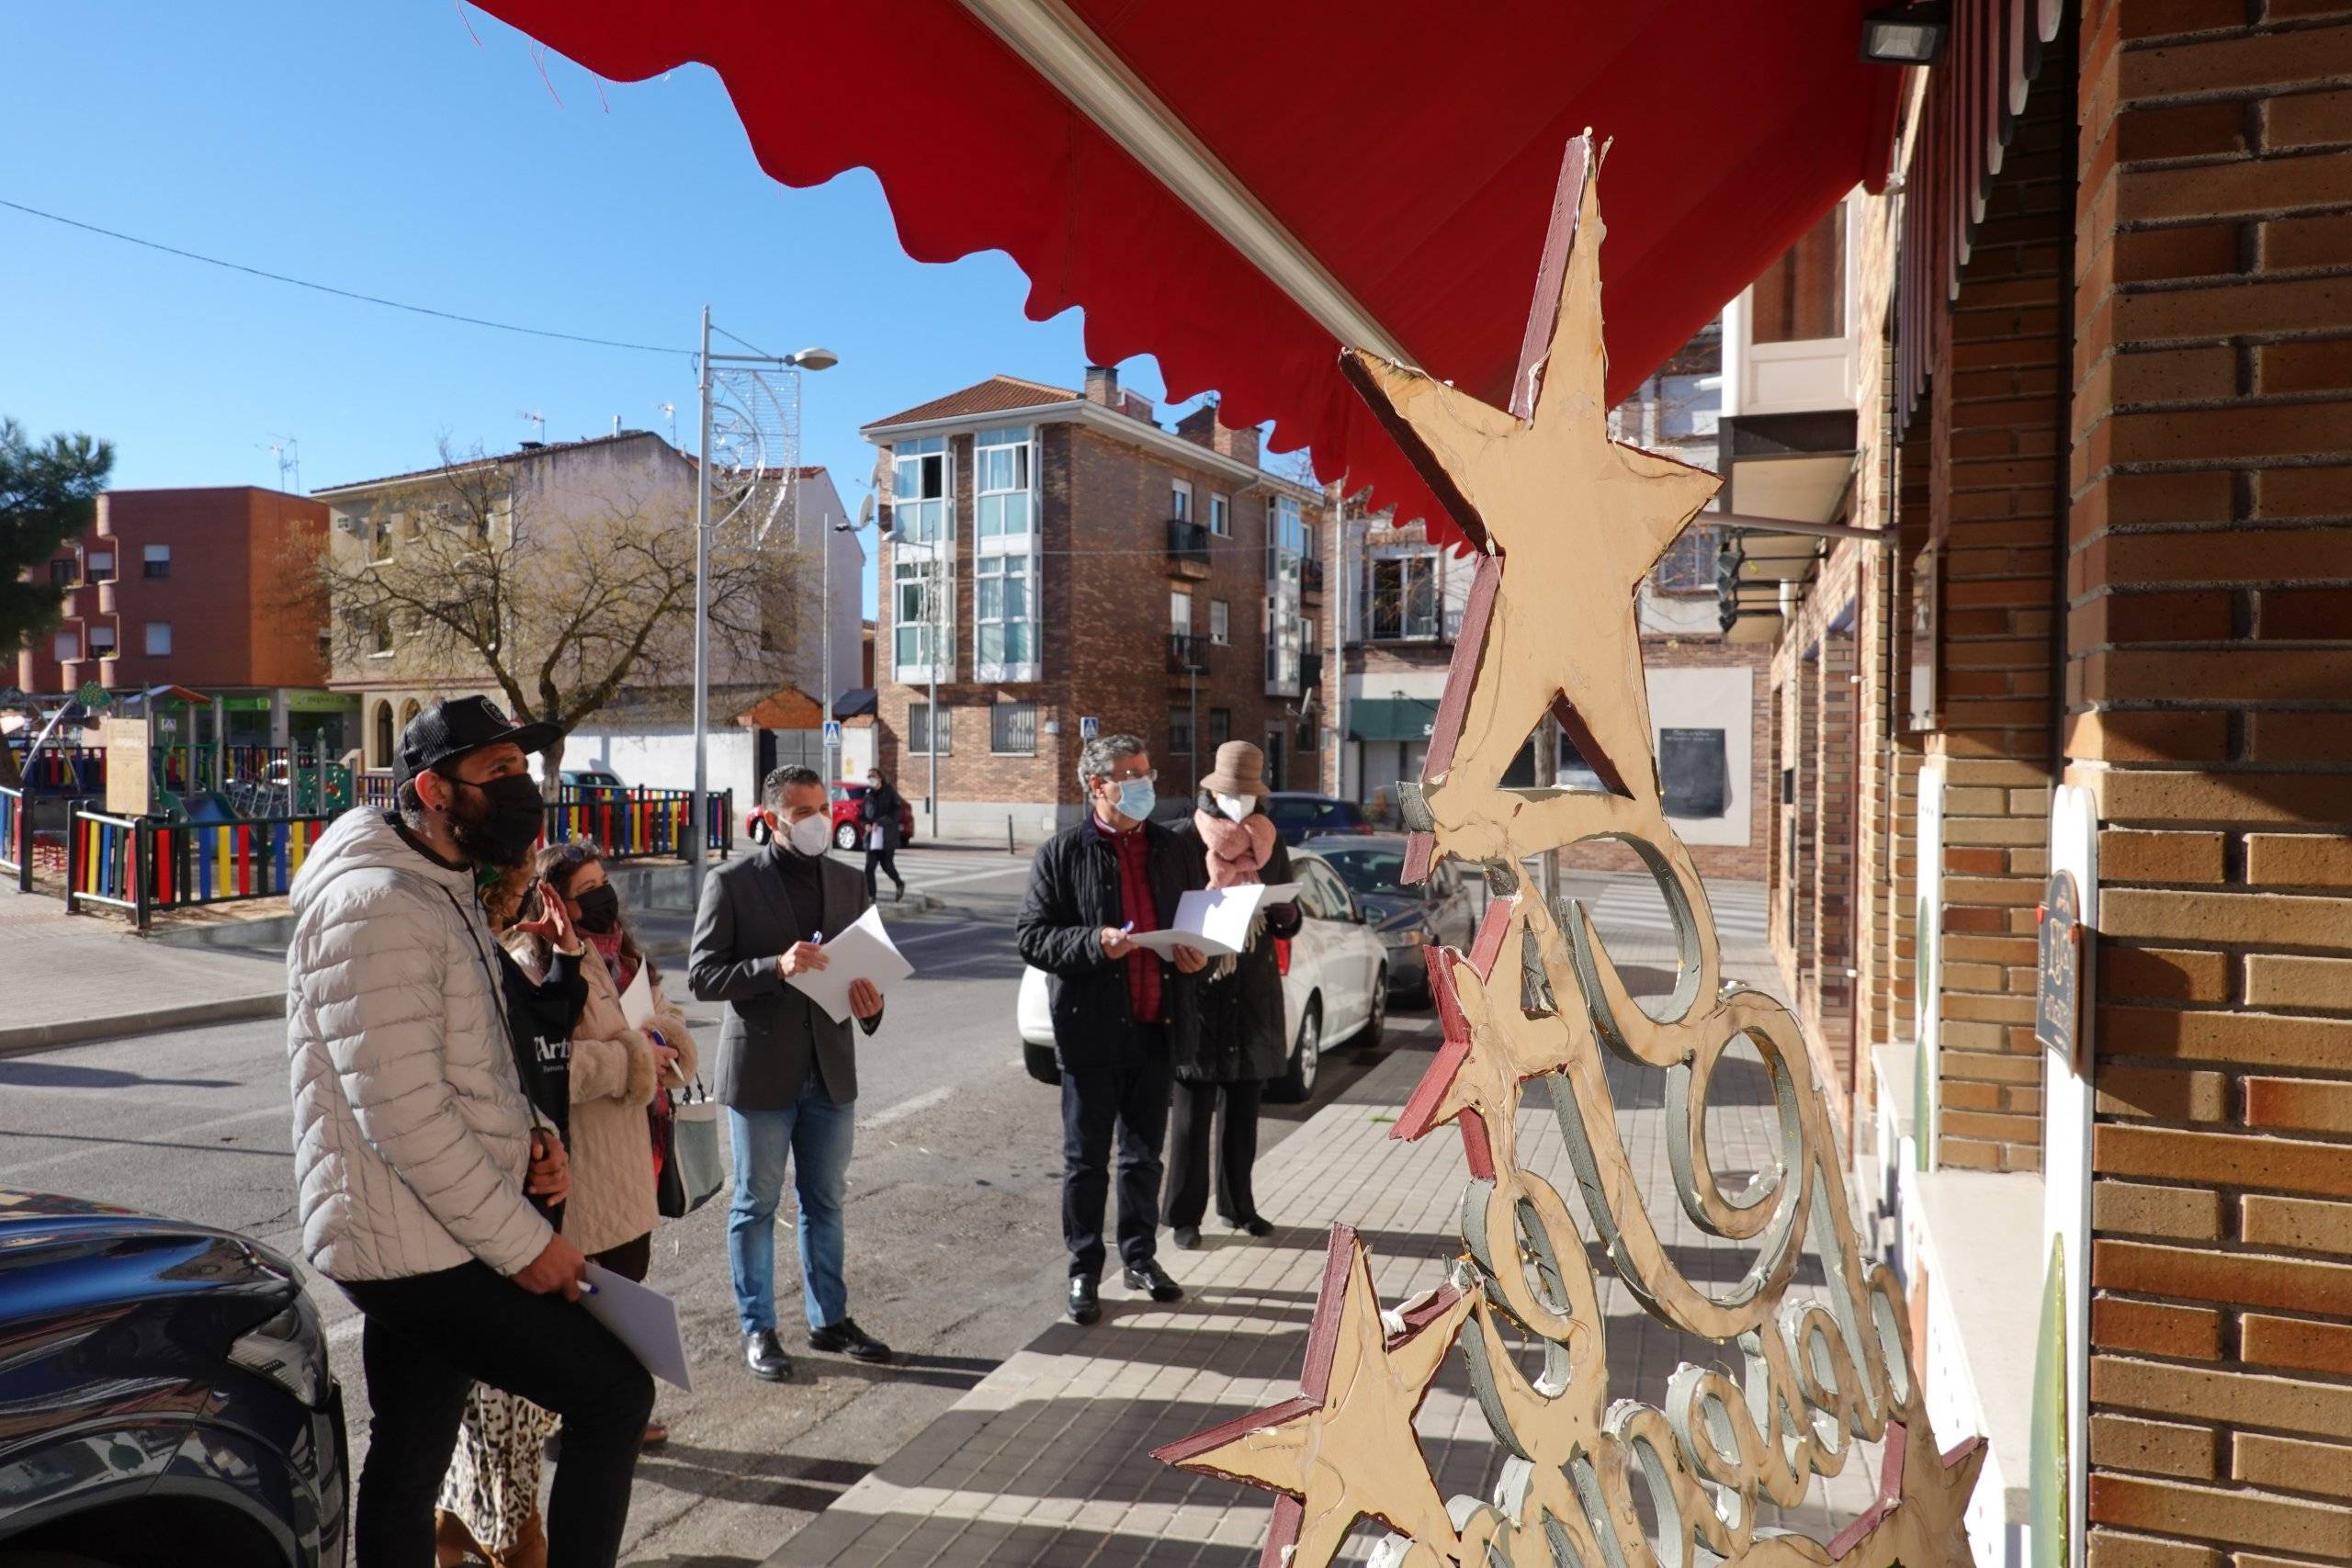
(457, 726)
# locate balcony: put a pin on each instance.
(1187, 654)
(1188, 548)
(106, 598)
(1310, 576)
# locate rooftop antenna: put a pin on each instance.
(289, 462)
(670, 413)
(533, 417)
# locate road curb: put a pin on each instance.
(27, 1038)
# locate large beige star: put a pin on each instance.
(1578, 519)
(1344, 1448)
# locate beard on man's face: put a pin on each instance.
(471, 827)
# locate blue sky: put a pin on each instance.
(375, 145)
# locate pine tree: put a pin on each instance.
(48, 494)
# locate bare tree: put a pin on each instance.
(480, 577)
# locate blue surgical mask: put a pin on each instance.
(1136, 797)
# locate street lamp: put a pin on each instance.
(807, 359)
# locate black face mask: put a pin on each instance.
(600, 909)
(514, 814)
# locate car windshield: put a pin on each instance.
(1369, 871)
(1330, 816)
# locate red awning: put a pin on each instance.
(1408, 152)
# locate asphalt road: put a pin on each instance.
(954, 1213)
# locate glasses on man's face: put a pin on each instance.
(1150, 774)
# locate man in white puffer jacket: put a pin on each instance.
(412, 1140)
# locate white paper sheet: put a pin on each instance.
(1215, 921)
(864, 952)
(637, 1002)
(643, 1319)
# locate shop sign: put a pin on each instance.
(2057, 1015)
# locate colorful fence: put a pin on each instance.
(106, 863)
(16, 859)
(65, 770)
(82, 770)
(637, 824)
(215, 862)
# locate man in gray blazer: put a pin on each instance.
(786, 1072)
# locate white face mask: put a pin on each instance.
(810, 835)
(1237, 807)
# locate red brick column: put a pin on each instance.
(2210, 640)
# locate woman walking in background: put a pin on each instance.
(1229, 1036)
(877, 815)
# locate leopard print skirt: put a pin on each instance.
(493, 1480)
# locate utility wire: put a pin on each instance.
(330, 289)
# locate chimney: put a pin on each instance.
(1135, 405)
(1102, 385)
(1202, 428)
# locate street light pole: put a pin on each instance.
(825, 655)
(699, 814)
(807, 359)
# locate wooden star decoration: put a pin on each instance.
(1922, 1503)
(1344, 1448)
(1578, 518)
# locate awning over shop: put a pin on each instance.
(1391, 718)
(1239, 191)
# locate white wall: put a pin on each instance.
(1712, 698)
(817, 509)
(664, 759)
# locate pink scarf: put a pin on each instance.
(1237, 850)
(607, 945)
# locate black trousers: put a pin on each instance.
(1196, 1105)
(889, 861)
(1125, 1103)
(428, 1338)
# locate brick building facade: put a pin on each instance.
(188, 587)
(1071, 559)
(2097, 622)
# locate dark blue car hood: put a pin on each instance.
(62, 1253)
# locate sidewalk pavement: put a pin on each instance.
(1049, 1461)
(73, 977)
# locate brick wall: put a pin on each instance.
(2209, 636)
(1994, 438)
(1103, 628)
(1831, 805)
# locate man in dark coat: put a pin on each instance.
(786, 1072)
(1091, 888)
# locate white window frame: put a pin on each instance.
(996, 703)
(1284, 592)
(1180, 500)
(68, 646)
(1220, 624)
(1001, 556)
(911, 558)
(90, 636)
(1180, 611)
(1410, 562)
(149, 641)
(1221, 515)
(155, 555)
(947, 729)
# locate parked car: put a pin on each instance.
(167, 1394)
(1443, 910)
(1335, 985)
(849, 833)
(1299, 817)
(591, 783)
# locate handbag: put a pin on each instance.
(692, 1170)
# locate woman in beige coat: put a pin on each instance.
(614, 1068)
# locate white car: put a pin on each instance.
(1335, 985)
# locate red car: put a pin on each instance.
(849, 832)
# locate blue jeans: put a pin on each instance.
(816, 1134)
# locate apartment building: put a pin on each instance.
(559, 492)
(188, 588)
(1054, 562)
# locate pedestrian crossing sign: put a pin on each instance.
(1087, 728)
(833, 732)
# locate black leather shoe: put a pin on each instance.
(1151, 1279)
(765, 1356)
(1187, 1237)
(846, 1338)
(1255, 1225)
(1085, 1304)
